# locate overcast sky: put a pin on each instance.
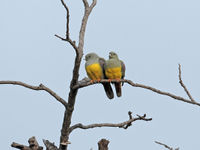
(150, 36)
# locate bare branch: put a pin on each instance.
(33, 145)
(123, 125)
(64, 39)
(84, 23)
(86, 82)
(73, 92)
(20, 146)
(94, 2)
(166, 146)
(73, 43)
(182, 84)
(37, 88)
(86, 5)
(130, 117)
(67, 18)
(67, 38)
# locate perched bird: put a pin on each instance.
(115, 69)
(94, 67)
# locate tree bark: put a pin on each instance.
(33, 145)
(103, 144)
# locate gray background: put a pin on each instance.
(151, 36)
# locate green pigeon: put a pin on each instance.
(94, 67)
(115, 69)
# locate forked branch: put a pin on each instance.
(183, 85)
(86, 82)
(37, 88)
(94, 2)
(75, 76)
(123, 125)
(67, 37)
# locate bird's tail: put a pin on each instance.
(108, 90)
(118, 88)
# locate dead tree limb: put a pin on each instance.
(33, 145)
(79, 54)
(103, 144)
(183, 85)
(67, 19)
(37, 88)
(67, 37)
(166, 146)
(123, 125)
(86, 82)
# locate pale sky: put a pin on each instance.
(150, 36)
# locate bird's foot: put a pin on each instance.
(92, 81)
(109, 80)
(118, 80)
(98, 80)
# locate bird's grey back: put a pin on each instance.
(112, 63)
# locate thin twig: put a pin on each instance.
(94, 2)
(67, 19)
(58, 36)
(166, 146)
(182, 84)
(73, 43)
(86, 82)
(130, 117)
(67, 38)
(123, 125)
(37, 88)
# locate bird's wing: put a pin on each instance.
(123, 69)
(102, 63)
(107, 86)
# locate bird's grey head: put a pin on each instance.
(91, 56)
(112, 55)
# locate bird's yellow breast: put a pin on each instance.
(94, 71)
(113, 73)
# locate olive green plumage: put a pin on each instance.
(115, 69)
(94, 67)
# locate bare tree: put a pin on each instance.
(75, 85)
